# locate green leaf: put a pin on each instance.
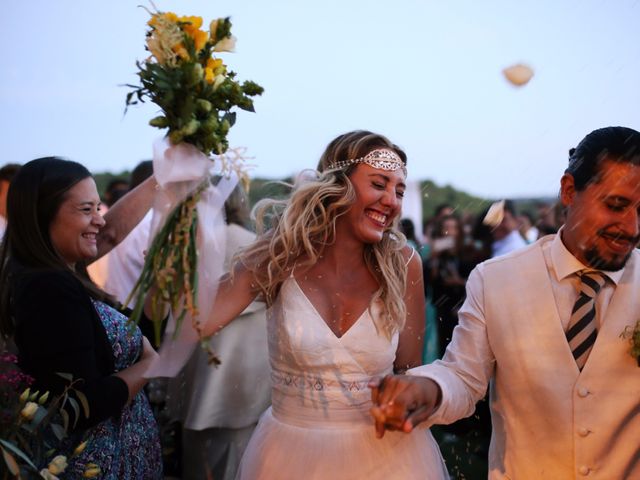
(76, 410)
(84, 402)
(66, 376)
(18, 452)
(65, 420)
(230, 117)
(247, 105)
(14, 468)
(58, 431)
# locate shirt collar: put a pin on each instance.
(565, 264)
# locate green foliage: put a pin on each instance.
(103, 178)
(434, 195)
(32, 424)
(265, 188)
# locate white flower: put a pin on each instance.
(58, 464)
(29, 410)
(47, 475)
(227, 44)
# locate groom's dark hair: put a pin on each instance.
(620, 144)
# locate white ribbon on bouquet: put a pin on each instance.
(179, 171)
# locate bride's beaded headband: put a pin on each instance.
(381, 159)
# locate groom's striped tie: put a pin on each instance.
(582, 325)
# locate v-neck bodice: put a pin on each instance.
(317, 376)
(318, 315)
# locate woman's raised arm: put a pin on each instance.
(125, 214)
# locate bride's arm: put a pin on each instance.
(235, 292)
(410, 344)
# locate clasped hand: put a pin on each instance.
(400, 402)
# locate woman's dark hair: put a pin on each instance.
(34, 197)
(408, 228)
(619, 144)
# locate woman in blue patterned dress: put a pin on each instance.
(62, 323)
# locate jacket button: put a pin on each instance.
(583, 470)
(583, 432)
(583, 392)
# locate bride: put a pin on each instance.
(346, 305)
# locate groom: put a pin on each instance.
(542, 328)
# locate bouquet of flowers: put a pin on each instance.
(197, 94)
(28, 429)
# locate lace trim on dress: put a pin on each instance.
(316, 383)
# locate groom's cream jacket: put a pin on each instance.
(550, 421)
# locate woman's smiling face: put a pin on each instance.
(77, 222)
(378, 202)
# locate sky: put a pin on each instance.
(427, 74)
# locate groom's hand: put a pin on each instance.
(400, 402)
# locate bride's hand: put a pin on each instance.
(401, 402)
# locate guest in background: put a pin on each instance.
(550, 218)
(441, 210)
(504, 223)
(442, 273)
(7, 173)
(527, 228)
(409, 230)
(116, 189)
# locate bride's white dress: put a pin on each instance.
(319, 426)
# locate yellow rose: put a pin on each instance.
(216, 65)
(80, 448)
(58, 464)
(181, 51)
(208, 75)
(91, 471)
(200, 38)
(43, 398)
(227, 44)
(191, 24)
(29, 410)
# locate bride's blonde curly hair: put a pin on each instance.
(294, 232)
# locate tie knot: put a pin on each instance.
(592, 282)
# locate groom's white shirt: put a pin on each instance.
(549, 419)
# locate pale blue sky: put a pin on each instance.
(425, 73)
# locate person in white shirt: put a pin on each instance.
(506, 236)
